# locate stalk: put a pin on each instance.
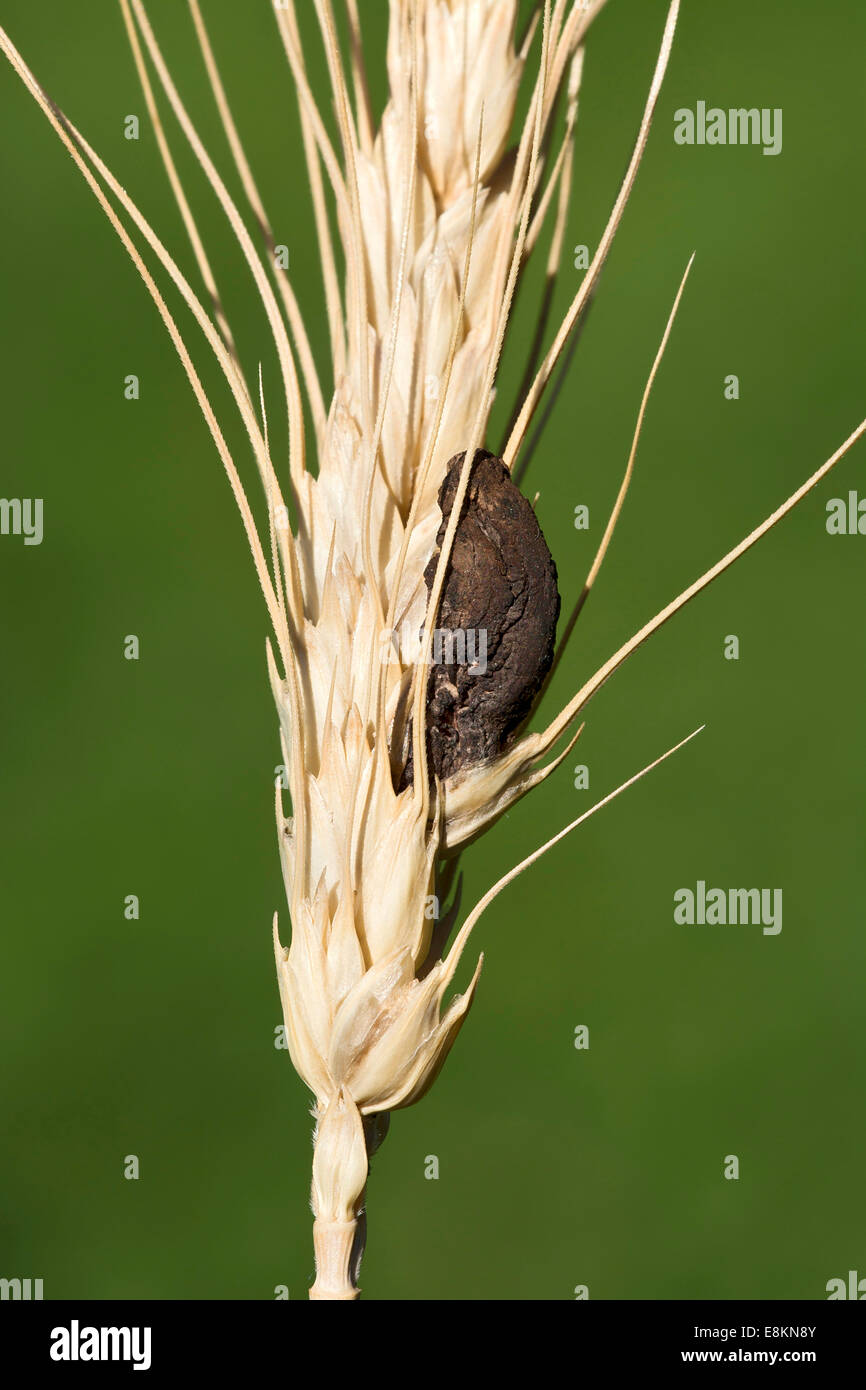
(395, 767)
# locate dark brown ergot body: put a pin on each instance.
(500, 590)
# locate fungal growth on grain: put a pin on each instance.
(500, 591)
(403, 520)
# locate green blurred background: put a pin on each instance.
(154, 1037)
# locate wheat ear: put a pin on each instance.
(437, 214)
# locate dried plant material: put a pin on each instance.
(394, 765)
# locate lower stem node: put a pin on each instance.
(333, 1242)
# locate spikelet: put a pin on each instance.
(438, 211)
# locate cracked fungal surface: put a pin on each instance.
(496, 622)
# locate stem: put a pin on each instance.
(333, 1242)
(344, 1142)
(340, 1166)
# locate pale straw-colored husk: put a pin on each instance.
(439, 206)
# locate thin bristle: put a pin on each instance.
(283, 283)
(626, 480)
(581, 299)
(294, 407)
(437, 209)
